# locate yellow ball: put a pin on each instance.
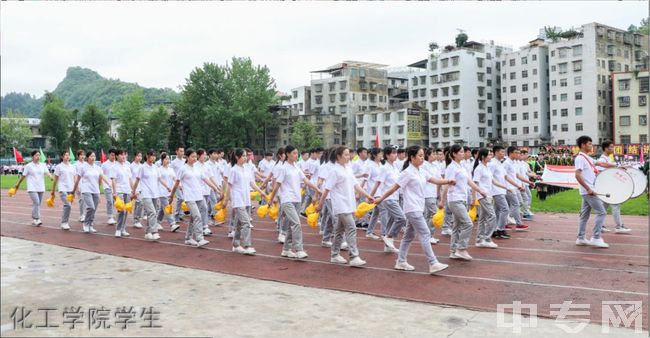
(168, 209)
(472, 213)
(310, 209)
(312, 219)
(184, 206)
(263, 211)
(438, 218)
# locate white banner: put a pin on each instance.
(560, 175)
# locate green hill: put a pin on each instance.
(82, 86)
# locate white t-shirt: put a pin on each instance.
(191, 178)
(35, 174)
(290, 176)
(430, 189)
(217, 172)
(314, 166)
(340, 183)
(122, 175)
(169, 176)
(458, 191)
(65, 173)
(399, 164)
(265, 166)
(89, 175)
(107, 167)
(135, 169)
(511, 171)
(207, 173)
(323, 173)
(606, 159)
(468, 165)
(388, 178)
(374, 170)
(412, 181)
(498, 173)
(148, 176)
(177, 164)
(483, 178)
(585, 164)
(240, 181)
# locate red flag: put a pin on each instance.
(377, 139)
(18, 156)
(102, 157)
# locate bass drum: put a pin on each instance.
(616, 183)
(640, 181)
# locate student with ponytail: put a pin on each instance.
(482, 176)
(64, 173)
(122, 186)
(373, 168)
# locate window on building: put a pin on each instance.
(513, 89)
(563, 97)
(626, 139)
(562, 68)
(535, 129)
(554, 112)
(456, 117)
(455, 90)
(577, 80)
(623, 101)
(360, 131)
(386, 130)
(343, 97)
(400, 116)
(564, 112)
(564, 127)
(454, 61)
(624, 121)
(578, 111)
(643, 100)
(513, 103)
(524, 73)
(513, 75)
(343, 85)
(513, 117)
(456, 131)
(563, 83)
(624, 84)
(535, 85)
(373, 118)
(512, 62)
(578, 126)
(555, 127)
(513, 131)
(578, 95)
(524, 102)
(643, 120)
(524, 116)
(535, 115)
(643, 138)
(643, 84)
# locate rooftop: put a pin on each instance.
(349, 63)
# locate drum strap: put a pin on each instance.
(590, 163)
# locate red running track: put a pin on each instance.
(542, 266)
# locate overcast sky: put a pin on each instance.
(157, 44)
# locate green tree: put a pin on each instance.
(226, 105)
(461, 38)
(131, 117)
(156, 130)
(176, 136)
(14, 132)
(95, 127)
(304, 136)
(55, 121)
(552, 33)
(75, 133)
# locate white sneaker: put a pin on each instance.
(622, 230)
(92, 230)
(231, 234)
(582, 241)
(344, 246)
(454, 256)
(464, 255)
(207, 232)
(511, 220)
(148, 237)
(35, 222)
(605, 229)
(174, 227)
(486, 244)
(357, 261)
(239, 249)
(338, 259)
(82, 219)
(137, 225)
(288, 254)
(191, 242)
(446, 232)
(144, 217)
(65, 226)
(433, 240)
(160, 227)
(321, 232)
(86, 228)
(531, 213)
(202, 243)
(372, 236)
(249, 251)
(111, 221)
(599, 243)
(156, 236)
(390, 250)
(388, 242)
(437, 267)
(124, 233)
(326, 244)
(405, 266)
(118, 233)
(301, 255)
(282, 238)
(252, 226)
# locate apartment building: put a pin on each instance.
(300, 100)
(630, 93)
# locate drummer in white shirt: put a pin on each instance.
(586, 172)
(603, 163)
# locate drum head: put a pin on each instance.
(617, 183)
(640, 181)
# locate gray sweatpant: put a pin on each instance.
(448, 219)
(37, 198)
(108, 193)
(501, 210)
(513, 204)
(67, 207)
(178, 211)
(91, 202)
(416, 223)
(430, 208)
(137, 209)
(149, 205)
(242, 228)
(345, 224)
(294, 233)
(394, 218)
(82, 206)
(486, 219)
(374, 218)
(123, 215)
(205, 213)
(525, 200)
(328, 221)
(195, 229)
(588, 203)
(616, 213)
(462, 226)
(163, 202)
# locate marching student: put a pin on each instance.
(203, 207)
(586, 172)
(412, 180)
(449, 218)
(327, 219)
(604, 162)
(360, 171)
(81, 158)
(89, 174)
(177, 164)
(392, 216)
(482, 176)
(240, 182)
(122, 185)
(216, 170)
(342, 184)
(287, 184)
(499, 190)
(430, 191)
(108, 191)
(373, 168)
(281, 223)
(526, 174)
(64, 174)
(35, 173)
(147, 179)
(456, 198)
(168, 176)
(514, 187)
(265, 167)
(137, 208)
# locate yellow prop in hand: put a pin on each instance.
(184, 207)
(438, 218)
(310, 209)
(472, 213)
(255, 195)
(263, 211)
(12, 192)
(220, 216)
(168, 209)
(218, 206)
(312, 219)
(70, 198)
(363, 209)
(50, 201)
(274, 211)
(119, 204)
(129, 207)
